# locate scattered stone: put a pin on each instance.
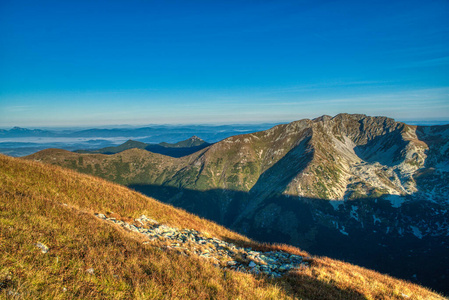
(43, 247)
(6, 282)
(144, 218)
(90, 271)
(220, 253)
(13, 293)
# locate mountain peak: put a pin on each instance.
(136, 144)
(322, 118)
(346, 115)
(193, 141)
(195, 138)
(17, 128)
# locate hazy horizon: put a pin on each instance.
(428, 122)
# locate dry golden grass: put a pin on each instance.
(54, 206)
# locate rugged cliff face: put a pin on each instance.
(358, 156)
(365, 189)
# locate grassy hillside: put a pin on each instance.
(88, 258)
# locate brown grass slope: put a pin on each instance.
(55, 206)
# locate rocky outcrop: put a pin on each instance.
(219, 252)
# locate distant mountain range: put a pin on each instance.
(24, 132)
(368, 190)
(170, 133)
(22, 141)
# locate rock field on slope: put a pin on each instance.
(219, 252)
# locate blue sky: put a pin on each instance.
(70, 63)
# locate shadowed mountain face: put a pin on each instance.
(365, 189)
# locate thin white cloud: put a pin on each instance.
(18, 108)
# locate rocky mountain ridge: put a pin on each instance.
(340, 158)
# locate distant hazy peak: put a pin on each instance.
(190, 142)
